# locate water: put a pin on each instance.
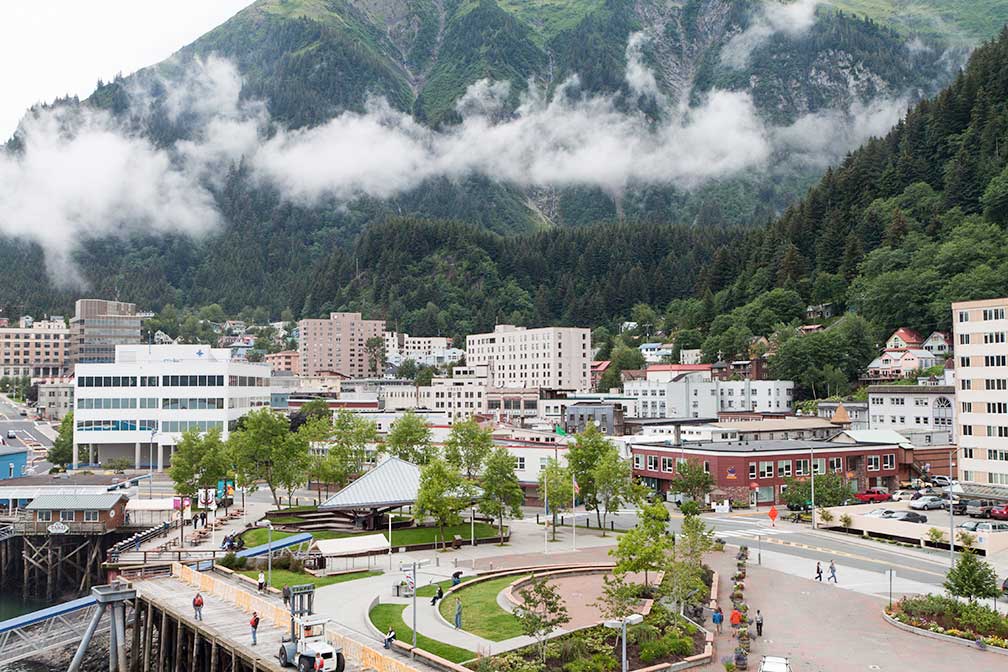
(11, 606)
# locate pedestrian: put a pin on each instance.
(832, 572)
(389, 637)
(437, 596)
(255, 626)
(457, 578)
(735, 619)
(136, 546)
(458, 614)
(262, 581)
(759, 623)
(818, 571)
(202, 518)
(286, 595)
(319, 663)
(197, 605)
(717, 618)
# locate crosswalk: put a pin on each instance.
(749, 532)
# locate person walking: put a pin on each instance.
(319, 665)
(759, 623)
(437, 596)
(717, 618)
(254, 623)
(389, 637)
(832, 572)
(735, 619)
(262, 581)
(286, 595)
(197, 605)
(458, 614)
(818, 571)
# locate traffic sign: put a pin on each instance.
(772, 513)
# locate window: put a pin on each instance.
(993, 314)
(820, 465)
(967, 430)
(44, 516)
(766, 469)
(90, 516)
(873, 463)
(996, 384)
(836, 464)
(784, 468)
(995, 360)
(889, 461)
(652, 462)
(638, 461)
(965, 384)
(801, 468)
(666, 464)
(67, 516)
(706, 467)
(994, 454)
(995, 337)
(964, 316)
(520, 463)
(964, 339)
(752, 471)
(997, 430)
(964, 362)
(968, 454)
(997, 407)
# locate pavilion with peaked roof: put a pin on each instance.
(392, 484)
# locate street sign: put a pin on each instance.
(772, 514)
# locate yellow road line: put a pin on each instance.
(852, 556)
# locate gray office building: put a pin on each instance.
(98, 326)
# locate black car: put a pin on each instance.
(958, 507)
(908, 517)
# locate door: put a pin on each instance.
(753, 498)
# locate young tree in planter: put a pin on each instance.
(555, 483)
(542, 612)
(692, 480)
(442, 494)
(694, 540)
(502, 493)
(582, 456)
(643, 548)
(613, 483)
(467, 447)
(409, 439)
(618, 599)
(972, 578)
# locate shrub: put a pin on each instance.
(513, 662)
(572, 648)
(825, 515)
(681, 646)
(600, 662)
(642, 634)
(846, 521)
(690, 508)
(935, 535)
(232, 561)
(656, 650)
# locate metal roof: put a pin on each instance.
(13, 450)
(70, 502)
(394, 482)
(881, 436)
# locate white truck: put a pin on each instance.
(307, 638)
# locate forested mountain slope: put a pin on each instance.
(804, 85)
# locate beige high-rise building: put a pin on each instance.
(98, 326)
(338, 344)
(34, 348)
(551, 357)
(980, 343)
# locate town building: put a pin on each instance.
(771, 429)
(857, 412)
(285, 360)
(55, 397)
(553, 405)
(13, 461)
(427, 350)
(608, 417)
(551, 357)
(925, 414)
(757, 471)
(980, 337)
(690, 356)
(34, 348)
(598, 369)
(59, 514)
(655, 353)
(819, 311)
(903, 339)
(895, 364)
(461, 395)
(510, 404)
(532, 450)
(938, 342)
(98, 326)
(138, 406)
(338, 345)
(691, 391)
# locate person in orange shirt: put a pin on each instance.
(735, 619)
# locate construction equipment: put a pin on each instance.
(307, 638)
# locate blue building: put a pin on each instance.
(13, 461)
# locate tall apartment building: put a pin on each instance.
(551, 357)
(337, 344)
(98, 326)
(138, 406)
(980, 339)
(34, 348)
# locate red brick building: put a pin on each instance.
(85, 513)
(758, 470)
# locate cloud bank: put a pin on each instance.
(791, 18)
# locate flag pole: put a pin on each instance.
(546, 510)
(573, 514)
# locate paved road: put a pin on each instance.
(25, 433)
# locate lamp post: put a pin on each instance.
(951, 515)
(621, 625)
(811, 452)
(269, 550)
(150, 466)
(412, 567)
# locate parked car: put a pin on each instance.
(968, 525)
(901, 495)
(1004, 587)
(958, 506)
(908, 517)
(979, 508)
(991, 527)
(999, 512)
(11, 434)
(880, 513)
(941, 481)
(873, 496)
(924, 492)
(926, 502)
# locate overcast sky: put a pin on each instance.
(53, 47)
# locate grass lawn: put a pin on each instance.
(406, 537)
(429, 590)
(283, 577)
(384, 615)
(481, 615)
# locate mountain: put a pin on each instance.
(801, 85)
(951, 19)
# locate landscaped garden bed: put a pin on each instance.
(481, 615)
(407, 536)
(384, 615)
(969, 621)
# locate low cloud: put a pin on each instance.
(774, 16)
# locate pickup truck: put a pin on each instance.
(873, 496)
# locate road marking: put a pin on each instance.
(852, 556)
(752, 532)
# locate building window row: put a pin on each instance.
(106, 381)
(107, 403)
(179, 426)
(198, 403)
(248, 381)
(116, 425)
(192, 381)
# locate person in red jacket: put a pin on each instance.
(735, 619)
(197, 605)
(319, 663)
(254, 623)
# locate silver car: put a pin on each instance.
(926, 502)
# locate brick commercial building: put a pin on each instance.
(34, 348)
(338, 345)
(757, 471)
(285, 360)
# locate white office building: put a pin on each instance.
(925, 414)
(138, 406)
(694, 394)
(550, 357)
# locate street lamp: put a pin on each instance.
(811, 452)
(412, 567)
(621, 625)
(269, 552)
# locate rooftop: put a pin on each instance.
(75, 502)
(394, 482)
(759, 446)
(778, 424)
(911, 389)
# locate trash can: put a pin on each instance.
(457, 542)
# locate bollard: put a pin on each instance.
(612, 525)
